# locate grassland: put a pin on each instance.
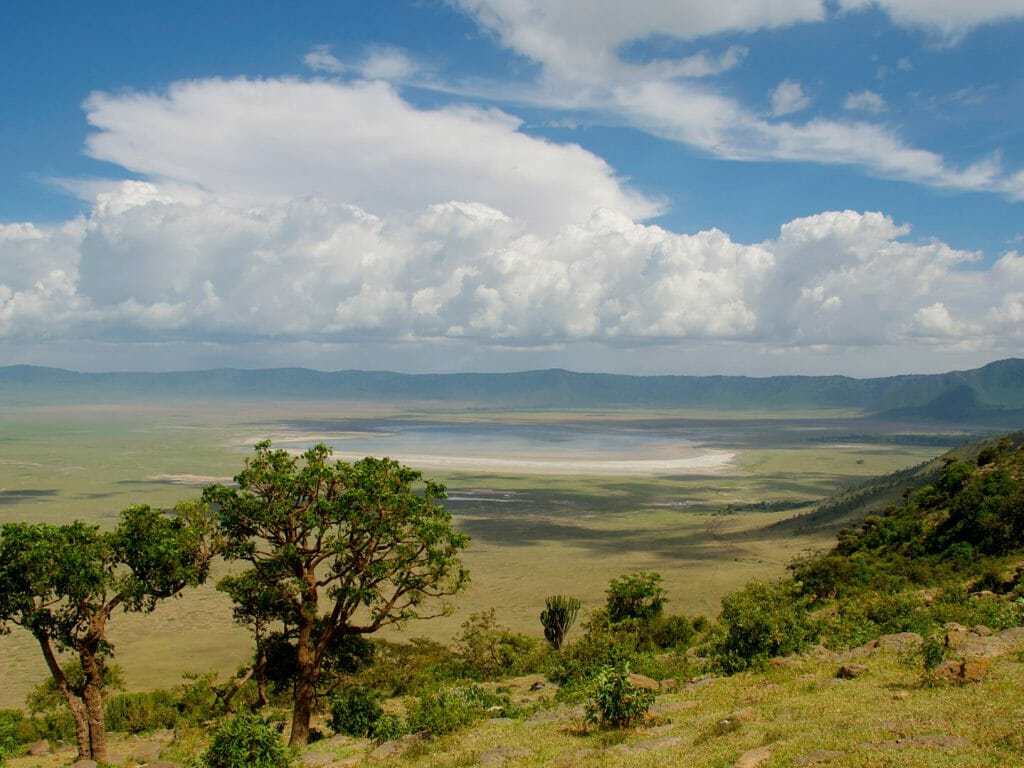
(533, 534)
(798, 712)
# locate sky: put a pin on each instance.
(750, 187)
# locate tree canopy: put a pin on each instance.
(63, 583)
(341, 549)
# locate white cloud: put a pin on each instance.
(357, 143)
(788, 97)
(577, 39)
(387, 64)
(577, 46)
(145, 268)
(320, 59)
(950, 19)
(865, 101)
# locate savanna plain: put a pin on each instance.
(555, 501)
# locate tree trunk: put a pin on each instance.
(92, 667)
(307, 666)
(75, 703)
(227, 692)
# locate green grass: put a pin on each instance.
(567, 535)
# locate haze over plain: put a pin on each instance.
(658, 187)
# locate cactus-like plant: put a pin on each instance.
(557, 617)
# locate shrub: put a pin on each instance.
(388, 727)
(759, 622)
(672, 631)
(933, 652)
(603, 644)
(615, 702)
(9, 741)
(557, 618)
(245, 741)
(491, 651)
(355, 712)
(140, 712)
(635, 596)
(452, 707)
(405, 668)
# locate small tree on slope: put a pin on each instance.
(63, 584)
(351, 547)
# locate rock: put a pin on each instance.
(819, 756)
(965, 671)
(981, 630)
(901, 695)
(539, 685)
(669, 684)
(900, 641)
(41, 747)
(84, 763)
(395, 748)
(147, 752)
(643, 682)
(739, 716)
(850, 671)
(1012, 636)
(818, 652)
(752, 758)
(672, 706)
(315, 759)
(984, 593)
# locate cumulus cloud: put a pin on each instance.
(788, 97)
(950, 19)
(577, 46)
(357, 143)
(320, 59)
(865, 101)
(146, 267)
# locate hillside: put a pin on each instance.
(992, 395)
(901, 646)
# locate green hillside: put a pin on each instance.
(992, 395)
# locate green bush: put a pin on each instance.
(933, 652)
(140, 712)
(635, 596)
(615, 702)
(603, 644)
(452, 707)
(355, 712)
(757, 623)
(10, 744)
(399, 669)
(490, 651)
(388, 727)
(245, 741)
(672, 631)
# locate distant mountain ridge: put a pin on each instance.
(991, 394)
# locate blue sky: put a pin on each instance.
(689, 187)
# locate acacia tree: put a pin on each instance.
(63, 584)
(351, 547)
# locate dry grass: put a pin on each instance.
(551, 535)
(798, 711)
